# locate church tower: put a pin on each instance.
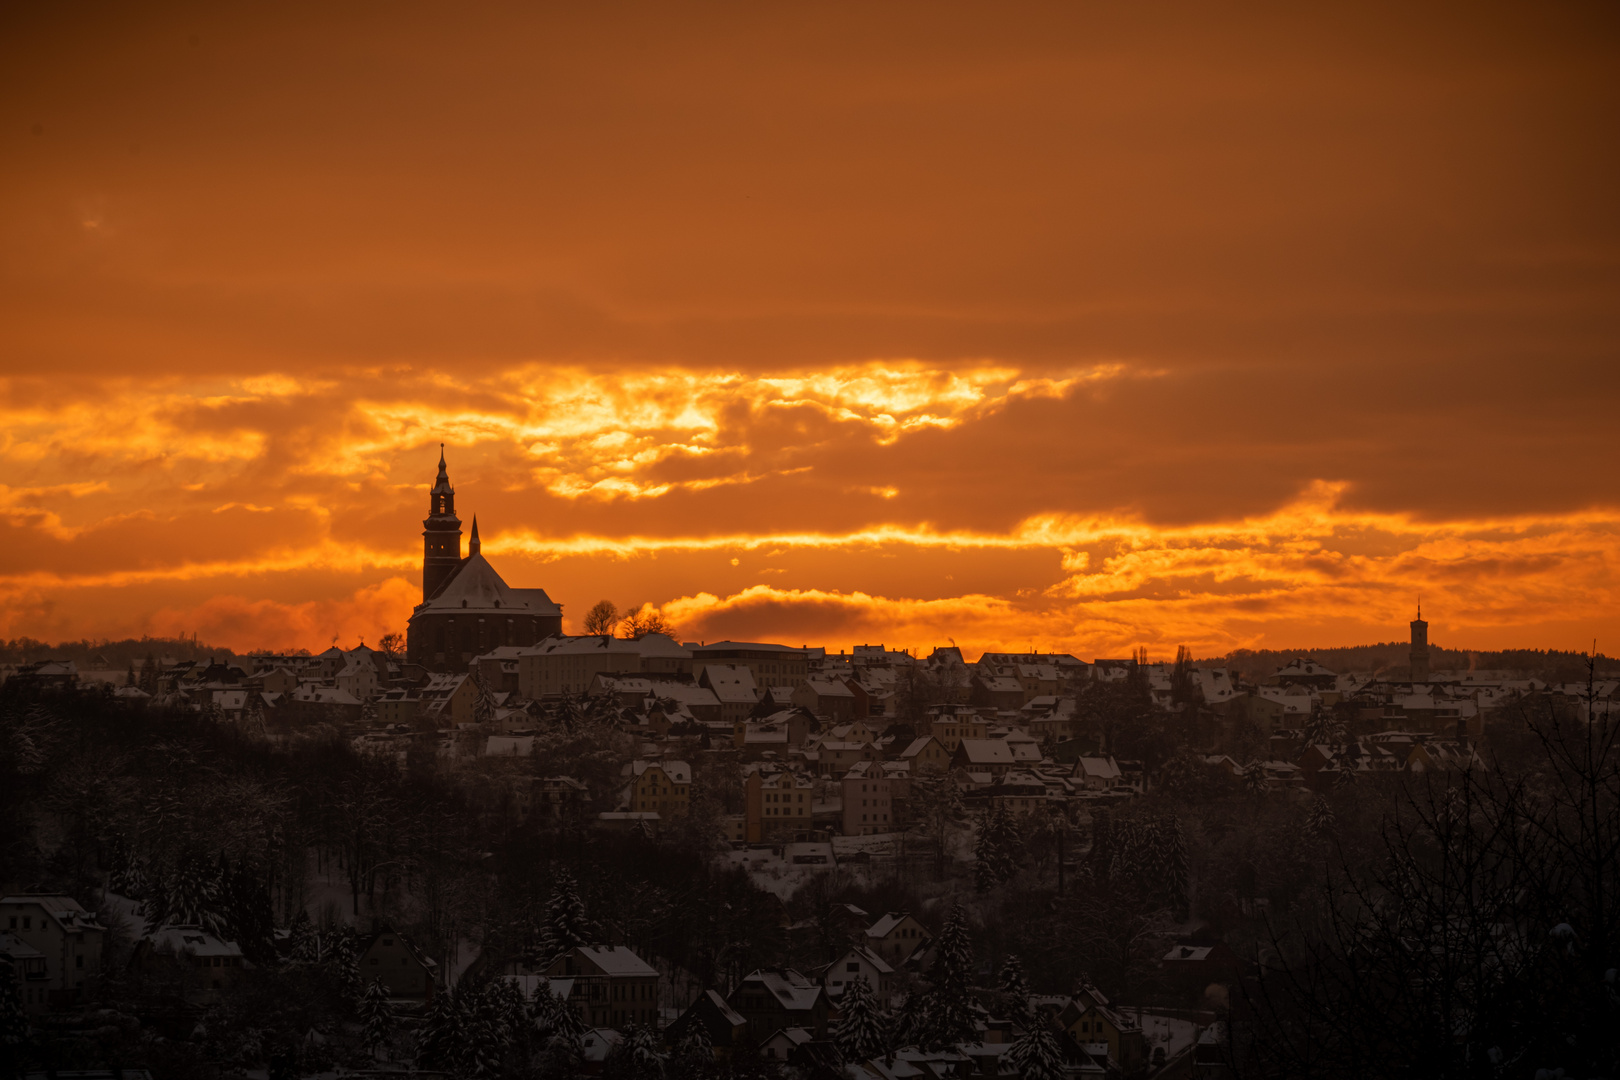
(441, 534)
(1420, 648)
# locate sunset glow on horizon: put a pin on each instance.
(1070, 329)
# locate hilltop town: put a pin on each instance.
(497, 849)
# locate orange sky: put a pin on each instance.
(1061, 325)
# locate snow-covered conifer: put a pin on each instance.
(694, 1054)
(482, 1023)
(376, 1016)
(1319, 819)
(859, 1035)
(950, 1011)
(1036, 1054)
(438, 1040)
(304, 944)
(567, 925)
(640, 1050)
(1015, 990)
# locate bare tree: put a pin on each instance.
(646, 620)
(602, 618)
(1481, 941)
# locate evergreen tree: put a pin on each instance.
(343, 963)
(908, 1026)
(1009, 843)
(545, 1010)
(997, 852)
(438, 1040)
(569, 1024)
(694, 1054)
(305, 944)
(985, 877)
(640, 1053)
(376, 1017)
(14, 1031)
(949, 1008)
(124, 875)
(1320, 820)
(484, 705)
(567, 925)
(511, 1008)
(1177, 875)
(563, 1058)
(1036, 1054)
(485, 1044)
(1015, 990)
(1254, 778)
(187, 896)
(859, 1035)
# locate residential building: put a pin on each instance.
(568, 665)
(28, 969)
(895, 937)
(867, 800)
(405, 970)
(835, 757)
(449, 701)
(828, 696)
(733, 685)
(992, 756)
(557, 798)
(728, 1030)
(777, 805)
(926, 755)
(1097, 773)
(609, 986)
(950, 725)
(661, 787)
(862, 962)
(999, 692)
(195, 963)
(771, 665)
(771, 999)
(64, 933)
(1089, 1020)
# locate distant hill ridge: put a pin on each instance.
(1388, 657)
(1392, 657)
(90, 654)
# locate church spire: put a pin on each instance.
(441, 533)
(473, 544)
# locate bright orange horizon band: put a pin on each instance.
(1045, 327)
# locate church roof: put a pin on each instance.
(475, 586)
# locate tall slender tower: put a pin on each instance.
(441, 534)
(1420, 648)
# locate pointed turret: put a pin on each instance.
(473, 544)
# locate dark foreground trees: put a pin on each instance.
(1481, 941)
